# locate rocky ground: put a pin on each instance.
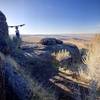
(36, 61)
(61, 83)
(30, 70)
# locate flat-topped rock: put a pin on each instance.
(50, 41)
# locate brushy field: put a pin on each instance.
(92, 61)
(92, 72)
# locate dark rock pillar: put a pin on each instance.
(4, 36)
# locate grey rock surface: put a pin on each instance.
(17, 82)
(72, 49)
(40, 67)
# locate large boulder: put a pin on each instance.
(71, 48)
(50, 41)
(40, 67)
(4, 36)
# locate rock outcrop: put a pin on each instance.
(40, 69)
(4, 36)
(72, 49)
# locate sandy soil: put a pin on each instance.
(80, 42)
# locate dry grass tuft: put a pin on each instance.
(61, 55)
(93, 65)
(93, 59)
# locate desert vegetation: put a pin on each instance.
(88, 71)
(93, 64)
(50, 69)
(85, 72)
(93, 58)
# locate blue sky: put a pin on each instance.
(53, 16)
